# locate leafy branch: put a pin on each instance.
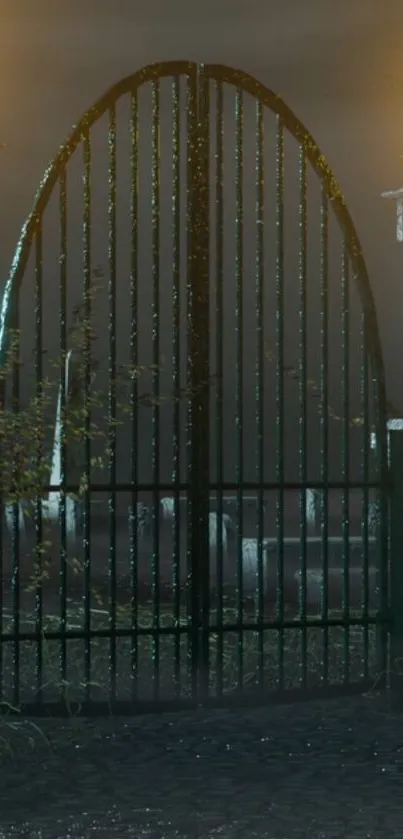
(314, 390)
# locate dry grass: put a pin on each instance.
(153, 666)
(159, 668)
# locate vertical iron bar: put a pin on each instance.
(198, 354)
(201, 381)
(324, 418)
(38, 454)
(112, 392)
(302, 378)
(155, 221)
(239, 367)
(15, 536)
(191, 560)
(262, 558)
(387, 554)
(133, 532)
(386, 559)
(396, 567)
(219, 178)
(280, 392)
(3, 455)
(87, 406)
(364, 405)
(63, 477)
(176, 371)
(345, 455)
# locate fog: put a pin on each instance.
(338, 66)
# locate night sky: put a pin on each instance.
(338, 65)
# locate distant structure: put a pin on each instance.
(51, 504)
(395, 417)
(397, 195)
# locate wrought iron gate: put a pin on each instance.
(201, 622)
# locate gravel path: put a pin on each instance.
(320, 770)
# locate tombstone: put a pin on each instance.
(312, 509)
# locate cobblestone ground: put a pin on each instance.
(319, 770)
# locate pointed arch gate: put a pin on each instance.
(230, 623)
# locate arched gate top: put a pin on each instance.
(250, 85)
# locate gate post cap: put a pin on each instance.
(393, 193)
(395, 424)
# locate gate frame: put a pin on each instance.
(198, 77)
